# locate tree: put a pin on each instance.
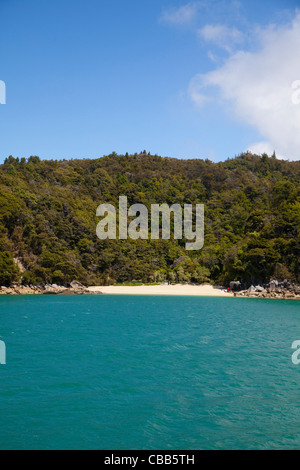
(9, 272)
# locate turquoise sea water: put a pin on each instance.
(149, 372)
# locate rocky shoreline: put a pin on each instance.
(75, 288)
(273, 290)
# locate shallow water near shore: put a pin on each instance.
(149, 372)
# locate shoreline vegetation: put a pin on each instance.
(204, 290)
(48, 220)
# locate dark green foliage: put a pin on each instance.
(48, 219)
(8, 270)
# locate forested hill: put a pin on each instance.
(48, 219)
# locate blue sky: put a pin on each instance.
(205, 79)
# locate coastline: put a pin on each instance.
(203, 290)
(78, 289)
(163, 289)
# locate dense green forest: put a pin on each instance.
(48, 219)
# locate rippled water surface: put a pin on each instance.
(147, 372)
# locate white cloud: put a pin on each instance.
(181, 15)
(262, 147)
(258, 87)
(196, 90)
(221, 35)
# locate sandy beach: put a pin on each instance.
(164, 289)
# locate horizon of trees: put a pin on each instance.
(48, 219)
